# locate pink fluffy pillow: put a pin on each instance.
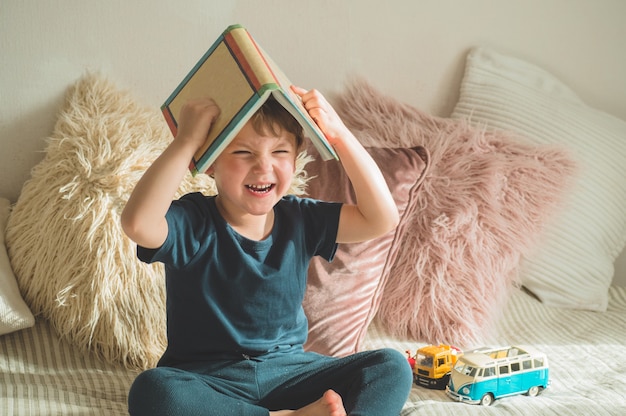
(482, 205)
(343, 296)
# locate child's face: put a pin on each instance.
(254, 171)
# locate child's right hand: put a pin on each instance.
(195, 120)
(143, 218)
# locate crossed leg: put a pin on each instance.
(372, 383)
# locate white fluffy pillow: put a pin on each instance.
(73, 263)
(573, 267)
(14, 313)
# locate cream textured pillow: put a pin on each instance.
(573, 267)
(481, 206)
(14, 313)
(72, 261)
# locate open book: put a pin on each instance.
(239, 76)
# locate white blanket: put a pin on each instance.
(41, 375)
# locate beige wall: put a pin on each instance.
(413, 49)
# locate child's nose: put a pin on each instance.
(263, 163)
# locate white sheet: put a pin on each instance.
(41, 375)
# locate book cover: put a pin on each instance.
(239, 76)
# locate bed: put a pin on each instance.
(513, 213)
(43, 375)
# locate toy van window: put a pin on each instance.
(504, 369)
(441, 361)
(515, 367)
(538, 362)
(527, 364)
(489, 372)
(468, 370)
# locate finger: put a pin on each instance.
(298, 90)
(308, 95)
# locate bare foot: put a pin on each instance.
(330, 404)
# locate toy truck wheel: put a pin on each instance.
(486, 400)
(533, 391)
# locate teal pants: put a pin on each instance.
(373, 383)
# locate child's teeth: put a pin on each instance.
(259, 187)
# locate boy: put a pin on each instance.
(236, 270)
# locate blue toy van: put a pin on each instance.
(484, 375)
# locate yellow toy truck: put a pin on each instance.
(432, 365)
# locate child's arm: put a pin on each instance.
(143, 218)
(375, 212)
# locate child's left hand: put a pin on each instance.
(323, 114)
(375, 212)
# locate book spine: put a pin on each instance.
(251, 60)
(169, 119)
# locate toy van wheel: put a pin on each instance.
(533, 391)
(487, 400)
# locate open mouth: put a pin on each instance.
(260, 189)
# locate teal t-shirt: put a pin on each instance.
(228, 295)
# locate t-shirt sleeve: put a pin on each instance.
(322, 223)
(186, 220)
